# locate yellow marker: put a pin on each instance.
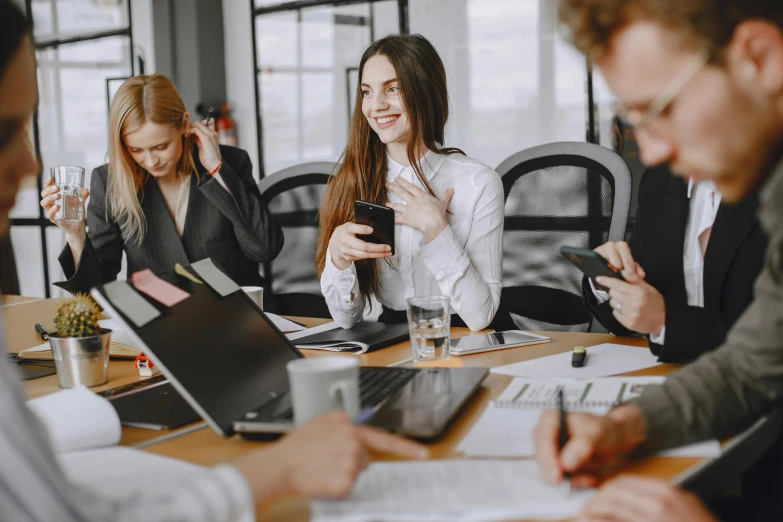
(579, 357)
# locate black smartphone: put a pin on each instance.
(591, 263)
(380, 218)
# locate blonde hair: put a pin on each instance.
(139, 100)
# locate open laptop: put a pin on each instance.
(228, 361)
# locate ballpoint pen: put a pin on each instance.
(41, 331)
(563, 438)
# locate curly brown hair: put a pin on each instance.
(704, 23)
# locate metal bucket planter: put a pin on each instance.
(81, 361)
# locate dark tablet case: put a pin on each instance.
(375, 335)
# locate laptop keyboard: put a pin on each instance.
(375, 385)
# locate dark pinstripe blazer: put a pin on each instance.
(232, 227)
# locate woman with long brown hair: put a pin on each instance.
(449, 208)
(169, 194)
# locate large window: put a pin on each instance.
(82, 46)
(513, 82)
(306, 63)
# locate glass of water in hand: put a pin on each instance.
(70, 179)
(429, 320)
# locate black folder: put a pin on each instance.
(372, 335)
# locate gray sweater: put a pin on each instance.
(726, 391)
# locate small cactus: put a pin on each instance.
(77, 316)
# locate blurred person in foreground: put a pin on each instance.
(702, 82)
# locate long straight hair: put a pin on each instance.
(422, 80)
(139, 100)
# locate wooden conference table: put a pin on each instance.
(204, 447)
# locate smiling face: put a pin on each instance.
(18, 100)
(382, 102)
(156, 148)
(724, 124)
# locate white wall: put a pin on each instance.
(240, 74)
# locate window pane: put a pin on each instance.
(29, 260)
(73, 112)
(75, 17)
(307, 81)
(318, 141)
(27, 200)
(386, 18)
(276, 40)
(512, 82)
(317, 30)
(280, 116)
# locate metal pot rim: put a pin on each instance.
(104, 331)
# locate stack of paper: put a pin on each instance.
(453, 491)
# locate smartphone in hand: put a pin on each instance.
(591, 263)
(380, 218)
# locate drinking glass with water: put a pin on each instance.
(70, 179)
(429, 320)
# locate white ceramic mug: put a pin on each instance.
(322, 384)
(256, 293)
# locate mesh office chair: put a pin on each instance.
(574, 194)
(293, 196)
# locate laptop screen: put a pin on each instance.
(221, 353)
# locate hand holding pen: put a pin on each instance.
(582, 447)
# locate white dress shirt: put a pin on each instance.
(464, 262)
(704, 203)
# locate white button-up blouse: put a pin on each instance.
(464, 262)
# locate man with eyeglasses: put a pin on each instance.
(703, 82)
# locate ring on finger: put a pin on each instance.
(617, 306)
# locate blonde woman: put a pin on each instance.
(169, 194)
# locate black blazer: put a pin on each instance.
(232, 227)
(732, 262)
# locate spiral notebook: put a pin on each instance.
(505, 429)
(595, 395)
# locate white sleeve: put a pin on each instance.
(472, 276)
(220, 494)
(660, 337)
(601, 296)
(341, 291)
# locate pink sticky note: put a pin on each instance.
(155, 287)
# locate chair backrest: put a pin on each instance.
(575, 194)
(293, 196)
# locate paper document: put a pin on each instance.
(505, 429)
(453, 491)
(77, 419)
(603, 360)
(283, 324)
